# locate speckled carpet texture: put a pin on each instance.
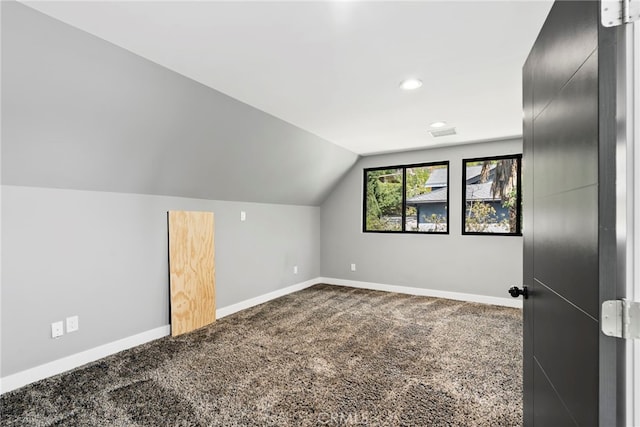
(324, 356)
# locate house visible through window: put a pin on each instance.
(492, 198)
(408, 198)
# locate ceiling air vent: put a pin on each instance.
(443, 132)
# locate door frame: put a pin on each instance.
(626, 44)
(633, 211)
(628, 210)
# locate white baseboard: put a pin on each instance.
(243, 305)
(17, 380)
(506, 302)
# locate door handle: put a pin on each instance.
(516, 292)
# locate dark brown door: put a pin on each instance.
(570, 367)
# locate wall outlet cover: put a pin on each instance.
(72, 324)
(57, 329)
(353, 267)
(295, 269)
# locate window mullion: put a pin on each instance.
(404, 199)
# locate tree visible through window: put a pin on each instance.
(492, 199)
(408, 198)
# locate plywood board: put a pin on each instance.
(191, 270)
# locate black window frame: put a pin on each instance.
(518, 158)
(404, 197)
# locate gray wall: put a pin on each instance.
(103, 256)
(483, 265)
(81, 113)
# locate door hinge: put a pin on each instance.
(621, 318)
(618, 12)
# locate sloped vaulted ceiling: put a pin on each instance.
(81, 113)
(333, 67)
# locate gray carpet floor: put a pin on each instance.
(324, 356)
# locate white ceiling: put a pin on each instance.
(333, 68)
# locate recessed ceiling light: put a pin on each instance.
(410, 84)
(438, 124)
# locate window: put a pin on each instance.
(492, 203)
(407, 199)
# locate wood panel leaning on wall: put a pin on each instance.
(191, 270)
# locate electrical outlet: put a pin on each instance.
(72, 324)
(57, 329)
(295, 269)
(243, 216)
(353, 267)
